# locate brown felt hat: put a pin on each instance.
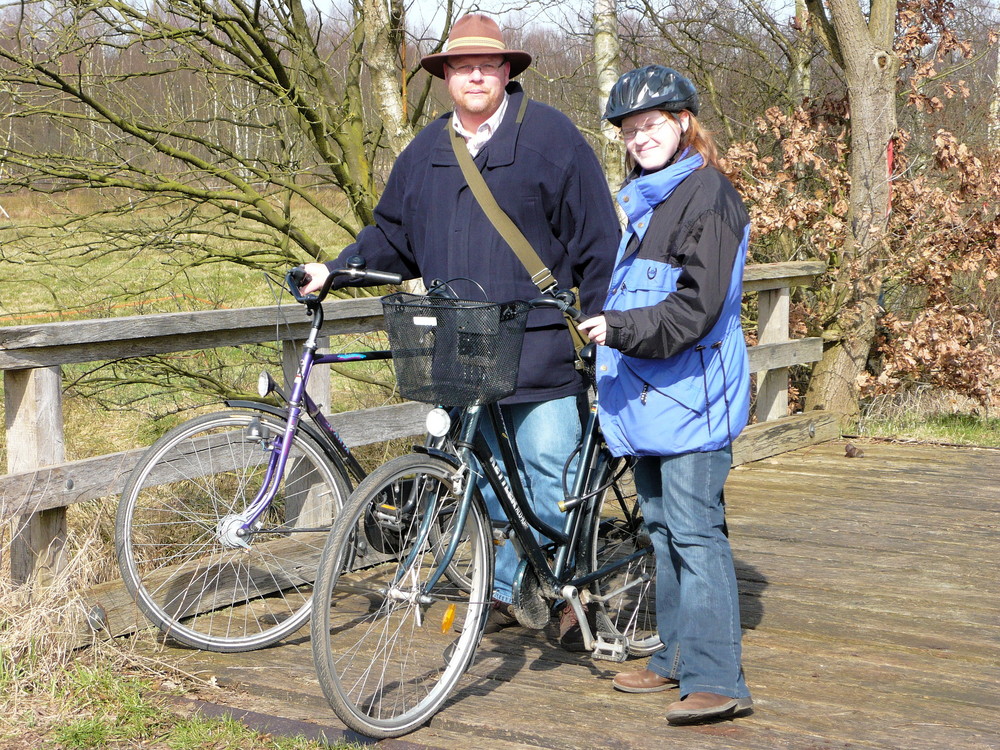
(476, 34)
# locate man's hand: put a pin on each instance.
(595, 328)
(317, 273)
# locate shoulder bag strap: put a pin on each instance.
(541, 276)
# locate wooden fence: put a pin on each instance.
(40, 484)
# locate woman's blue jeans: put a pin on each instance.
(545, 434)
(697, 603)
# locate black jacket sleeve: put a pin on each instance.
(706, 254)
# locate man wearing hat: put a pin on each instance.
(428, 224)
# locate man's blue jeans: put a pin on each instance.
(697, 603)
(545, 433)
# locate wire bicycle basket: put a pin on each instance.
(454, 352)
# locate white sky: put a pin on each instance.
(429, 14)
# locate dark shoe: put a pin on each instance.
(698, 707)
(501, 616)
(570, 632)
(643, 681)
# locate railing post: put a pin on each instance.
(772, 327)
(33, 415)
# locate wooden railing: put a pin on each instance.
(40, 484)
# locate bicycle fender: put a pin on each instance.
(438, 453)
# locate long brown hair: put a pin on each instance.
(699, 139)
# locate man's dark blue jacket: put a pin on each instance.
(547, 179)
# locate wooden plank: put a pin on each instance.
(144, 335)
(785, 354)
(51, 344)
(104, 476)
(120, 616)
(275, 316)
(762, 276)
(788, 433)
(104, 330)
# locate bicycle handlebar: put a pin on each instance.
(356, 272)
(561, 299)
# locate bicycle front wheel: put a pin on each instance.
(180, 555)
(393, 630)
(627, 596)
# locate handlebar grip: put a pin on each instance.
(356, 273)
(298, 276)
(377, 278)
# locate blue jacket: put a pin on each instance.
(547, 179)
(674, 376)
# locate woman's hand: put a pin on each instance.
(596, 328)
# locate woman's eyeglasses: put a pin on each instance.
(648, 130)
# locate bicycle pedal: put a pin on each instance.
(608, 647)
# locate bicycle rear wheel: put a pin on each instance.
(628, 609)
(389, 644)
(180, 557)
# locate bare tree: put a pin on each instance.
(218, 109)
(863, 48)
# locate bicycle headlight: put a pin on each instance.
(264, 384)
(438, 422)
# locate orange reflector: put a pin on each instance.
(449, 618)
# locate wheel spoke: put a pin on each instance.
(179, 555)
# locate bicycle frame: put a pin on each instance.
(298, 401)
(554, 579)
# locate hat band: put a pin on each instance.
(473, 41)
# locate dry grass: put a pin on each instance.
(59, 691)
(39, 629)
(928, 415)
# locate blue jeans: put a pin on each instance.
(697, 604)
(545, 433)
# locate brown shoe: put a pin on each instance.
(643, 681)
(501, 616)
(697, 707)
(570, 632)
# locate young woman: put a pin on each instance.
(673, 380)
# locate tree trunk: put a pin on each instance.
(800, 85)
(606, 56)
(870, 67)
(994, 124)
(381, 50)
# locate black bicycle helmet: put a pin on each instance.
(650, 87)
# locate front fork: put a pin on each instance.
(236, 530)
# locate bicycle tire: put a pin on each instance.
(177, 560)
(618, 532)
(385, 661)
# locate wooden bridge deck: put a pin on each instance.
(870, 595)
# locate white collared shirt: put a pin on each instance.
(475, 141)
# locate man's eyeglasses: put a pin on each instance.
(487, 69)
(648, 130)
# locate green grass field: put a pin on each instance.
(86, 255)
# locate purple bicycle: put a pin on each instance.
(222, 522)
